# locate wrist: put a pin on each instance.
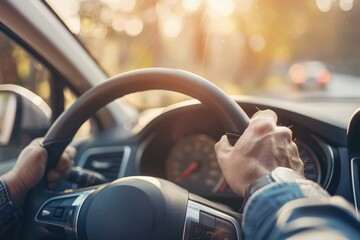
(249, 177)
(15, 188)
(278, 175)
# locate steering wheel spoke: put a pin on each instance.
(204, 222)
(62, 212)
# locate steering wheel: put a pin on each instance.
(134, 207)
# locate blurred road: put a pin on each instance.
(343, 86)
(340, 86)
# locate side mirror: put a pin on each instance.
(8, 105)
(23, 115)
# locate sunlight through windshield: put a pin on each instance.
(279, 48)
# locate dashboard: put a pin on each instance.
(192, 164)
(177, 144)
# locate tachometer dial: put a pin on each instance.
(193, 165)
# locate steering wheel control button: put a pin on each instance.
(70, 214)
(212, 228)
(69, 217)
(225, 236)
(210, 236)
(45, 213)
(225, 230)
(207, 219)
(200, 232)
(67, 202)
(59, 212)
(205, 223)
(54, 203)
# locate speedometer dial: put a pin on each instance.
(312, 168)
(193, 165)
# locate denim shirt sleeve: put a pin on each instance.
(300, 209)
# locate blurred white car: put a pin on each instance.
(311, 74)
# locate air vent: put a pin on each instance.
(109, 161)
(355, 177)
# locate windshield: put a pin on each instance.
(284, 49)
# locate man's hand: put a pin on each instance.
(30, 168)
(263, 147)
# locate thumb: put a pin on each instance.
(223, 145)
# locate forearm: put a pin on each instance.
(297, 209)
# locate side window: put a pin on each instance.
(19, 67)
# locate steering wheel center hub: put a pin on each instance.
(133, 208)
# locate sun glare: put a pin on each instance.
(346, 5)
(221, 7)
(172, 26)
(121, 5)
(191, 5)
(134, 27)
(324, 5)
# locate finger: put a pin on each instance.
(66, 160)
(223, 144)
(53, 176)
(35, 152)
(283, 134)
(37, 142)
(71, 151)
(52, 185)
(297, 164)
(262, 122)
(64, 163)
(265, 114)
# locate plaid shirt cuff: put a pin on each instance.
(7, 213)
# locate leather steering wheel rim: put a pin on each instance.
(232, 117)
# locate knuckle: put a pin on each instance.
(263, 126)
(262, 113)
(269, 112)
(294, 146)
(284, 132)
(39, 153)
(217, 146)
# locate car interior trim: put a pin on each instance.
(103, 150)
(355, 185)
(329, 154)
(331, 167)
(79, 201)
(193, 215)
(140, 151)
